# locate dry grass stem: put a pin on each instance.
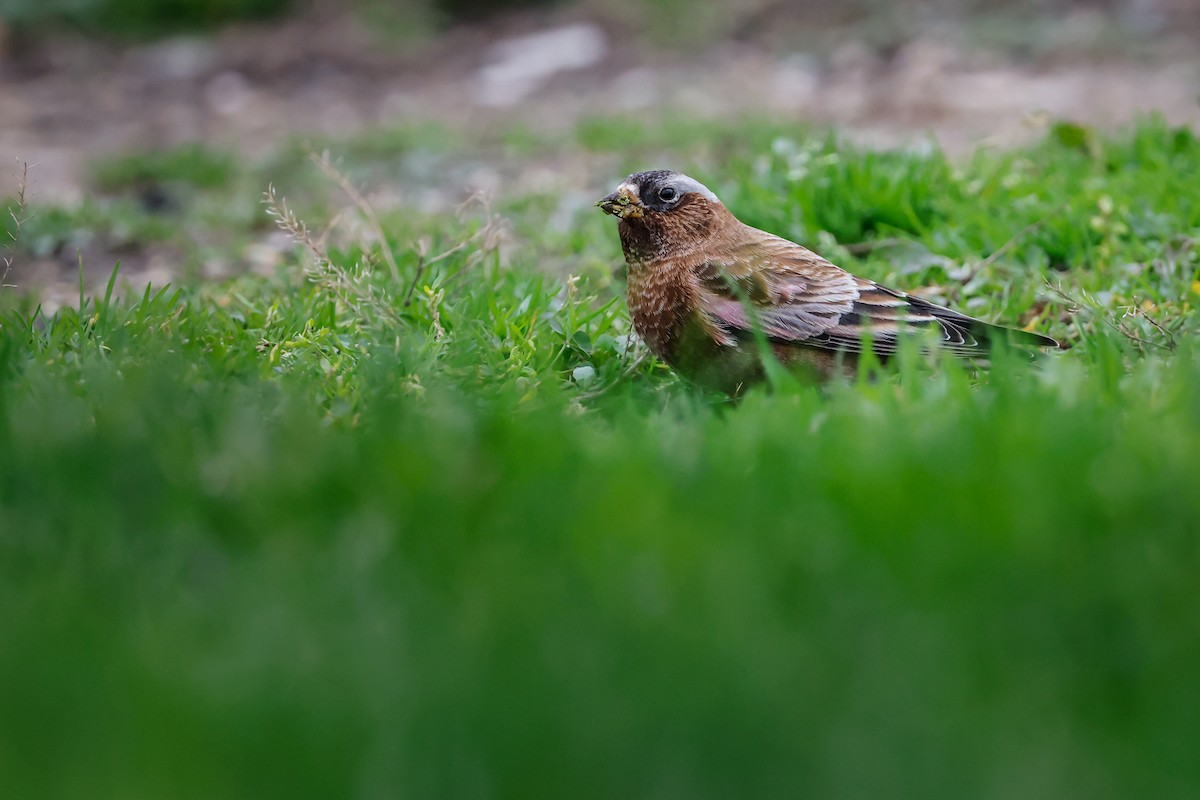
(1116, 323)
(486, 241)
(17, 212)
(352, 287)
(326, 165)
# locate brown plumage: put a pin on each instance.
(701, 282)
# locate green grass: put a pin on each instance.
(278, 537)
(190, 165)
(138, 18)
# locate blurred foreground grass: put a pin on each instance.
(446, 533)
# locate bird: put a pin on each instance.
(705, 291)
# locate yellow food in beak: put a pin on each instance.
(623, 203)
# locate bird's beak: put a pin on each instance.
(623, 203)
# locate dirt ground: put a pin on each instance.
(65, 100)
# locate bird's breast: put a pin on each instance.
(661, 303)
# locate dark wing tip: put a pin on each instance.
(1014, 336)
(985, 332)
(1041, 340)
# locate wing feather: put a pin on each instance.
(795, 296)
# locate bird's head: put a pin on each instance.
(664, 205)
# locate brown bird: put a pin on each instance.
(701, 282)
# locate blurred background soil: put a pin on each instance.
(82, 80)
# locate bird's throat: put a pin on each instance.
(642, 241)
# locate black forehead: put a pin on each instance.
(651, 179)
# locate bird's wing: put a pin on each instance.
(793, 295)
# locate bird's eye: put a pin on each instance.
(667, 194)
